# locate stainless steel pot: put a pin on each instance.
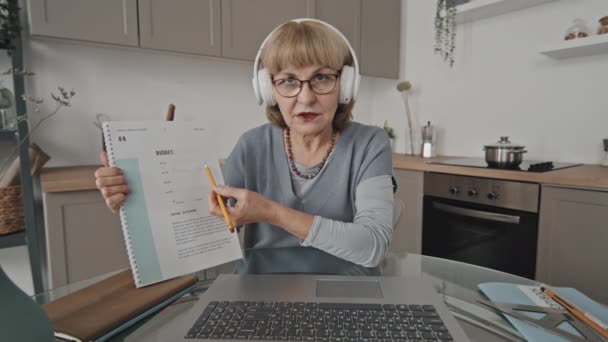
(504, 154)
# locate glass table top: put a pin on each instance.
(456, 282)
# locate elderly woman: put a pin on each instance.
(310, 177)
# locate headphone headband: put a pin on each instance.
(256, 83)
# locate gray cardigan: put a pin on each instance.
(259, 163)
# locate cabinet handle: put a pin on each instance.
(484, 215)
(46, 12)
(124, 17)
(211, 22)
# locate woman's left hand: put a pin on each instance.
(250, 207)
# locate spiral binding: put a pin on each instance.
(122, 213)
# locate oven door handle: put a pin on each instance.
(484, 215)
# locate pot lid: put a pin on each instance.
(505, 143)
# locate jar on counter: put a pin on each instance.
(605, 160)
(603, 25)
(578, 29)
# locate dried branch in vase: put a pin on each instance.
(403, 88)
(62, 99)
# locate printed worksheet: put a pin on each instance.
(166, 222)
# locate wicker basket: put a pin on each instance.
(11, 210)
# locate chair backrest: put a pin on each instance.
(398, 207)
(28, 322)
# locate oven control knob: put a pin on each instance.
(473, 193)
(454, 190)
(492, 196)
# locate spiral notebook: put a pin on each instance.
(167, 227)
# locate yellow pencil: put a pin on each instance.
(220, 200)
(578, 313)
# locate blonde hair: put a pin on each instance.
(301, 44)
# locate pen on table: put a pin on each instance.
(220, 200)
(586, 317)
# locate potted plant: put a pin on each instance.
(391, 134)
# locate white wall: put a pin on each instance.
(500, 85)
(130, 84)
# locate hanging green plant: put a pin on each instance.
(9, 23)
(445, 29)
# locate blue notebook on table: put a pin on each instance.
(532, 295)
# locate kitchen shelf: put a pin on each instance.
(579, 47)
(12, 240)
(480, 9)
(7, 133)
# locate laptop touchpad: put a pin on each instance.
(345, 288)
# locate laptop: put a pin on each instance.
(317, 308)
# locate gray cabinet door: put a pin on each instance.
(84, 239)
(407, 235)
(380, 38)
(345, 15)
(246, 23)
(192, 26)
(101, 21)
(573, 240)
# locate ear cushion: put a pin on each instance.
(265, 87)
(347, 84)
(256, 90)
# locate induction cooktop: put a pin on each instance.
(525, 166)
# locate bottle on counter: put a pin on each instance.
(428, 144)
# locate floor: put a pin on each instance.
(16, 264)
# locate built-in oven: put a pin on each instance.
(486, 222)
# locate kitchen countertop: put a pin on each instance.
(68, 178)
(582, 176)
(77, 178)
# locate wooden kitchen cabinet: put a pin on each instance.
(84, 238)
(108, 21)
(373, 28)
(192, 26)
(407, 234)
(246, 23)
(231, 29)
(573, 240)
(345, 15)
(380, 38)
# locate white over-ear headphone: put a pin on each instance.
(349, 77)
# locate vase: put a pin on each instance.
(21, 318)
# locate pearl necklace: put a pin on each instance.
(292, 163)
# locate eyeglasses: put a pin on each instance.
(320, 84)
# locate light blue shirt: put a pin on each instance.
(351, 198)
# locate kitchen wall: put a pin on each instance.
(500, 85)
(130, 84)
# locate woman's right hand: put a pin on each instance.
(111, 183)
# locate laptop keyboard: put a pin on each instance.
(318, 322)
